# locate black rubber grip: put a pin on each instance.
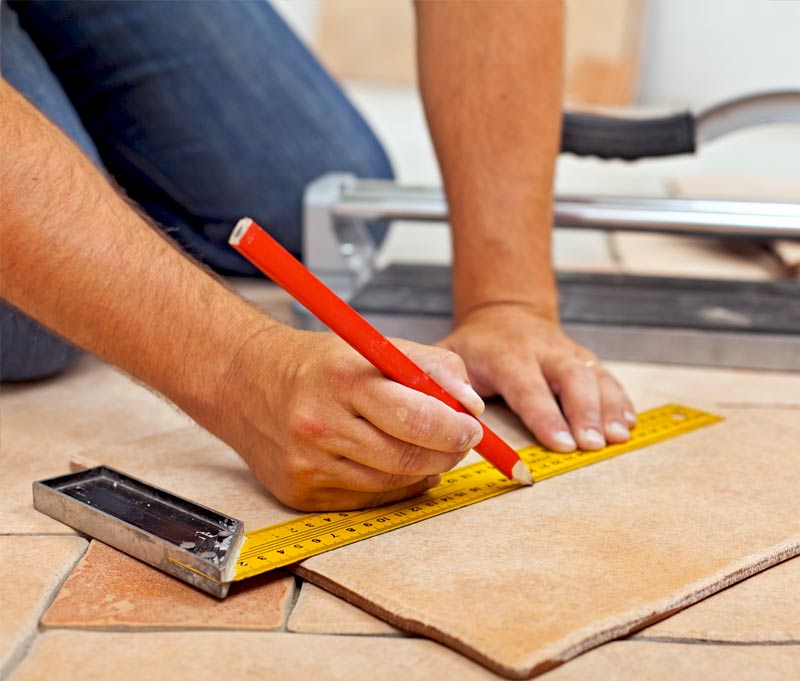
(625, 138)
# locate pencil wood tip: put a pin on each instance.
(239, 230)
(521, 474)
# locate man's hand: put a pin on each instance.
(490, 76)
(322, 429)
(512, 351)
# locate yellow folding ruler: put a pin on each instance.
(295, 540)
(211, 550)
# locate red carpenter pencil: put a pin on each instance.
(285, 270)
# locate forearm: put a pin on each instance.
(490, 77)
(79, 259)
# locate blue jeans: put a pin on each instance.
(202, 111)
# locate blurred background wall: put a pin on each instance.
(651, 52)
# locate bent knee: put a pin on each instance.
(30, 352)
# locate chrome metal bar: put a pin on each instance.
(747, 112)
(745, 219)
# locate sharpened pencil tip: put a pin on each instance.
(520, 473)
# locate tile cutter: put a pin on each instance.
(625, 317)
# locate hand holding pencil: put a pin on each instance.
(272, 259)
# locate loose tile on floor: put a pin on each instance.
(32, 568)
(588, 556)
(109, 589)
(762, 609)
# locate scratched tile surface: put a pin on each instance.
(111, 589)
(32, 569)
(90, 656)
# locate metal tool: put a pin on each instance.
(208, 549)
(187, 540)
(658, 319)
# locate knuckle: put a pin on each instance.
(300, 471)
(410, 459)
(453, 361)
(420, 424)
(393, 481)
(309, 424)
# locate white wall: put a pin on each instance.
(701, 51)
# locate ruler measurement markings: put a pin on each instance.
(300, 538)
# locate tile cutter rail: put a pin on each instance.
(624, 317)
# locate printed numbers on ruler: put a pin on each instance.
(300, 538)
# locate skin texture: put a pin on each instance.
(493, 102)
(316, 423)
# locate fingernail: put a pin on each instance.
(630, 417)
(618, 431)
(433, 480)
(565, 440)
(593, 438)
(477, 398)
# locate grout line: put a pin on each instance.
(298, 585)
(42, 534)
(23, 648)
(707, 642)
(118, 629)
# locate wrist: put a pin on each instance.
(533, 307)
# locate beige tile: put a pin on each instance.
(763, 608)
(109, 589)
(320, 612)
(32, 569)
(95, 656)
(42, 424)
(699, 257)
(534, 577)
(650, 385)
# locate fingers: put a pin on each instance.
(449, 371)
(595, 404)
(576, 384)
(618, 413)
(337, 499)
(416, 419)
(532, 400)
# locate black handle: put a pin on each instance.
(627, 139)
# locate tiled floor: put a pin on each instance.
(71, 613)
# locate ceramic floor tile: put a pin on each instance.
(763, 608)
(96, 656)
(532, 578)
(32, 569)
(652, 384)
(109, 589)
(681, 256)
(319, 612)
(42, 424)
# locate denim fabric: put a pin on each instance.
(202, 111)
